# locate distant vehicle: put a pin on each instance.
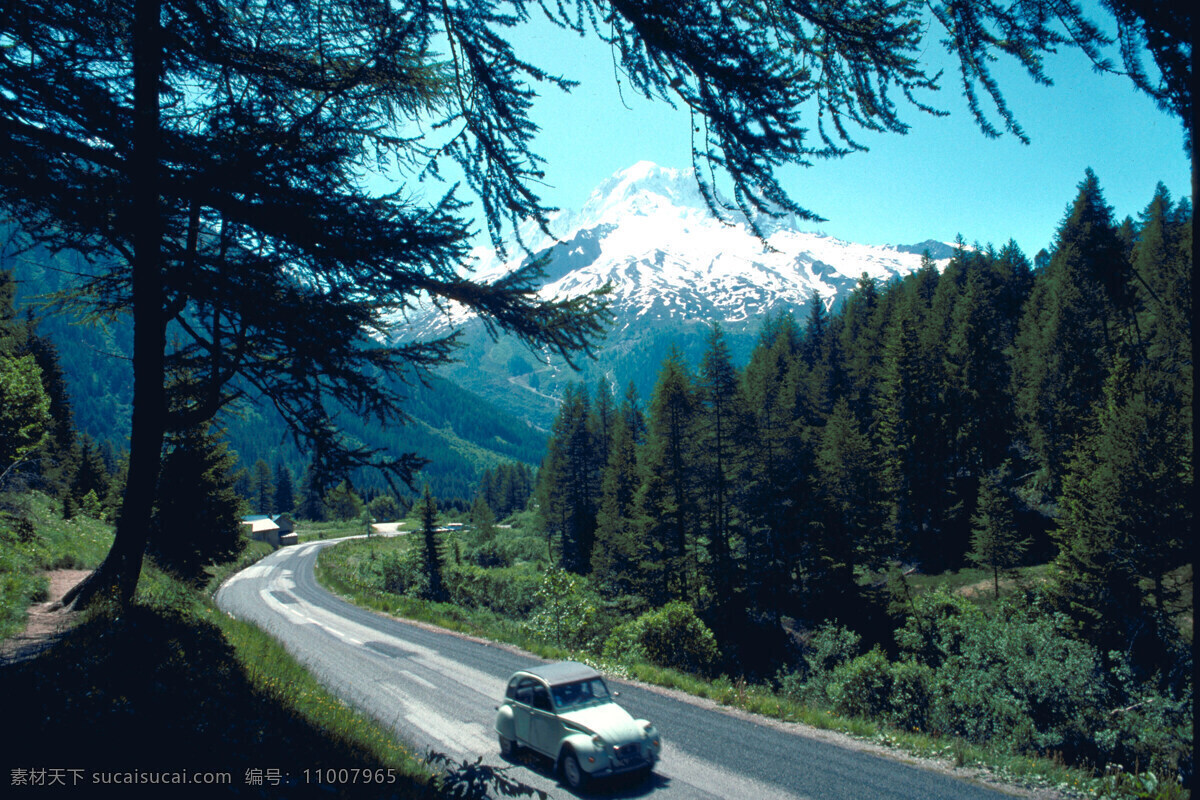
(565, 712)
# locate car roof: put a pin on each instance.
(563, 672)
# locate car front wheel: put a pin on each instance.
(572, 772)
(508, 748)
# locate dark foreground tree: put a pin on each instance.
(208, 159)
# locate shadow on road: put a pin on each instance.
(619, 786)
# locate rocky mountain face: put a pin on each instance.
(674, 269)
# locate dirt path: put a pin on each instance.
(43, 625)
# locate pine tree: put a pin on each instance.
(91, 474)
(431, 554)
(995, 545)
(852, 507)
(25, 420)
(1067, 337)
(343, 503)
(285, 492)
(569, 483)
(197, 516)
(1126, 518)
(861, 345)
(56, 451)
(720, 416)
(666, 504)
(619, 550)
(262, 490)
(312, 495)
(905, 437)
(773, 471)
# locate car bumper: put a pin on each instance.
(610, 767)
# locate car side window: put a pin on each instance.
(525, 692)
(541, 698)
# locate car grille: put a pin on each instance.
(629, 752)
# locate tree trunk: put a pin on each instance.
(117, 576)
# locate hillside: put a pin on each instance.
(459, 432)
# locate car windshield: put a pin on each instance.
(580, 693)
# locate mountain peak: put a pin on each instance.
(640, 190)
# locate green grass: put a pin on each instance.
(349, 569)
(35, 539)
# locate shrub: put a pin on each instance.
(565, 612)
(1017, 679)
(862, 687)
(625, 643)
(912, 695)
(508, 591)
(404, 572)
(671, 636)
(828, 648)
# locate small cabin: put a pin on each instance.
(262, 528)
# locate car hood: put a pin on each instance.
(613, 723)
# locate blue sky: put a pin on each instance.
(942, 179)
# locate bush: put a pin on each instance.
(912, 695)
(404, 572)
(1018, 680)
(862, 687)
(566, 612)
(508, 591)
(828, 648)
(672, 636)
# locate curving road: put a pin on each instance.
(438, 690)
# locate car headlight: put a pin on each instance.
(597, 741)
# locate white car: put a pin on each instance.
(565, 712)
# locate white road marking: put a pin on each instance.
(412, 676)
(462, 738)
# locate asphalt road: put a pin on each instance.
(439, 690)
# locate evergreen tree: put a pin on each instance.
(631, 413)
(285, 492)
(851, 519)
(773, 472)
(995, 545)
(1067, 337)
(91, 474)
(262, 490)
(312, 495)
(431, 555)
(666, 503)
(719, 418)
(197, 516)
(601, 419)
(1126, 518)
(861, 345)
(569, 483)
(56, 468)
(906, 440)
(25, 420)
(619, 550)
(343, 503)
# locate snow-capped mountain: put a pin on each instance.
(674, 268)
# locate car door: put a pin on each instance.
(523, 709)
(545, 729)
